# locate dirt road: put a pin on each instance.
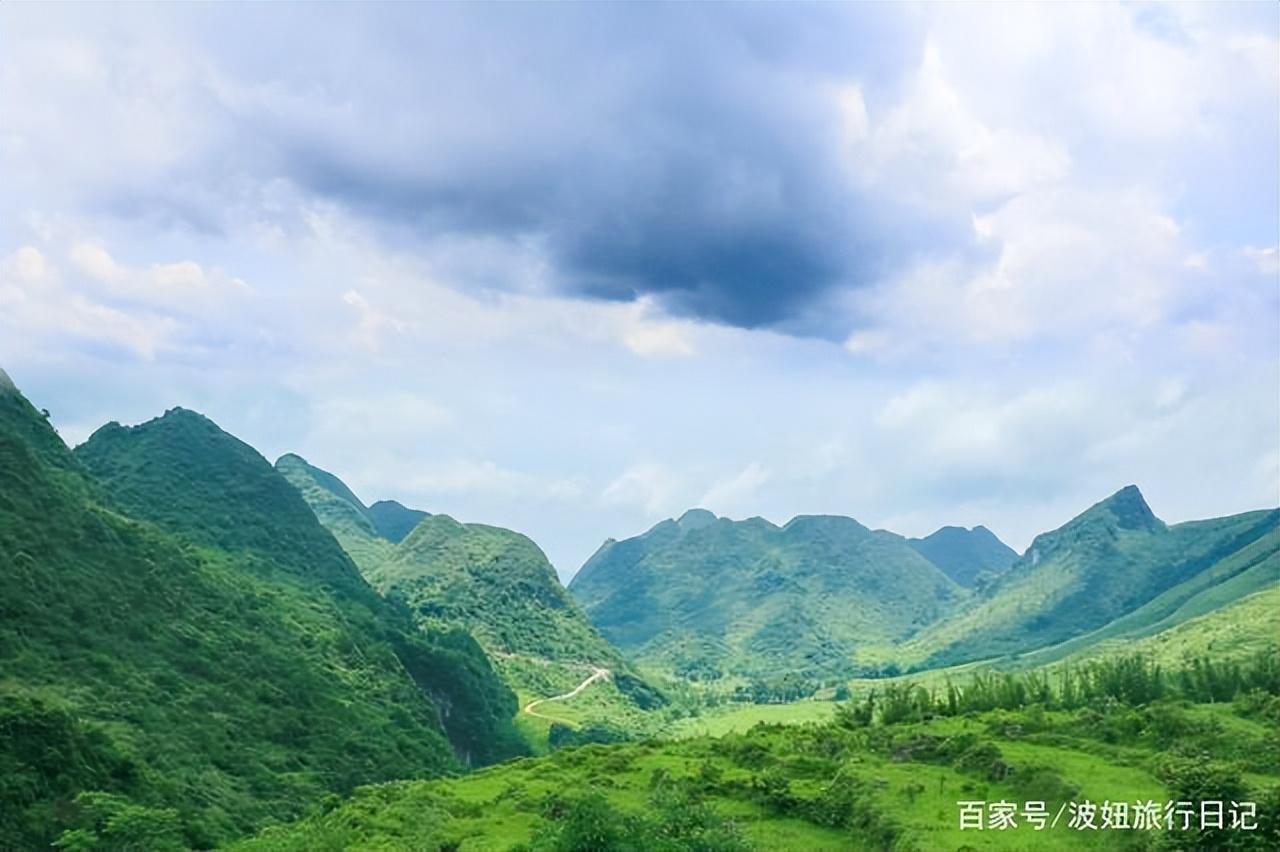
(596, 674)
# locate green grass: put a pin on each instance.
(1115, 571)
(819, 786)
(739, 718)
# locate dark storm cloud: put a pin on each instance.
(691, 153)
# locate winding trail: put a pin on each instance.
(597, 673)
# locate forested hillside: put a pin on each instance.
(706, 598)
(1115, 569)
(186, 655)
(492, 582)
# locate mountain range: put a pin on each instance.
(705, 597)
(198, 643)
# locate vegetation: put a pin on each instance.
(203, 666)
(490, 581)
(707, 598)
(1113, 571)
(966, 556)
(888, 779)
(199, 650)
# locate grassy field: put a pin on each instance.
(738, 718)
(825, 786)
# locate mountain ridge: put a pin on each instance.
(1112, 559)
(144, 661)
(750, 598)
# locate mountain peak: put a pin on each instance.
(1129, 509)
(696, 519)
(394, 520)
(963, 554)
(6, 383)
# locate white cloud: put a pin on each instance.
(93, 260)
(738, 494)
(649, 486)
(1267, 260)
(1090, 325)
(37, 310)
(932, 148)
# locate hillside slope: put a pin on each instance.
(186, 475)
(215, 687)
(1233, 632)
(492, 582)
(1115, 569)
(703, 597)
(964, 555)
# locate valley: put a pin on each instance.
(200, 649)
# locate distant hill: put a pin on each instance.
(394, 521)
(964, 554)
(704, 597)
(490, 581)
(178, 631)
(1116, 568)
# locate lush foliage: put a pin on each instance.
(888, 782)
(707, 598)
(966, 556)
(492, 582)
(211, 663)
(1113, 571)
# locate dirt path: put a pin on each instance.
(596, 674)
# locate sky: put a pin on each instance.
(573, 269)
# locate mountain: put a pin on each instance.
(704, 597)
(1231, 633)
(183, 639)
(394, 521)
(1115, 568)
(965, 554)
(494, 583)
(189, 477)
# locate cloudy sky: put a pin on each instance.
(573, 269)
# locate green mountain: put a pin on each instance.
(494, 583)
(183, 638)
(393, 520)
(1114, 571)
(964, 554)
(1234, 632)
(189, 477)
(703, 597)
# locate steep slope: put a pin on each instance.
(338, 510)
(492, 582)
(194, 480)
(704, 597)
(964, 554)
(227, 667)
(1236, 631)
(393, 520)
(1209, 597)
(214, 688)
(1116, 562)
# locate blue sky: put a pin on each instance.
(573, 269)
